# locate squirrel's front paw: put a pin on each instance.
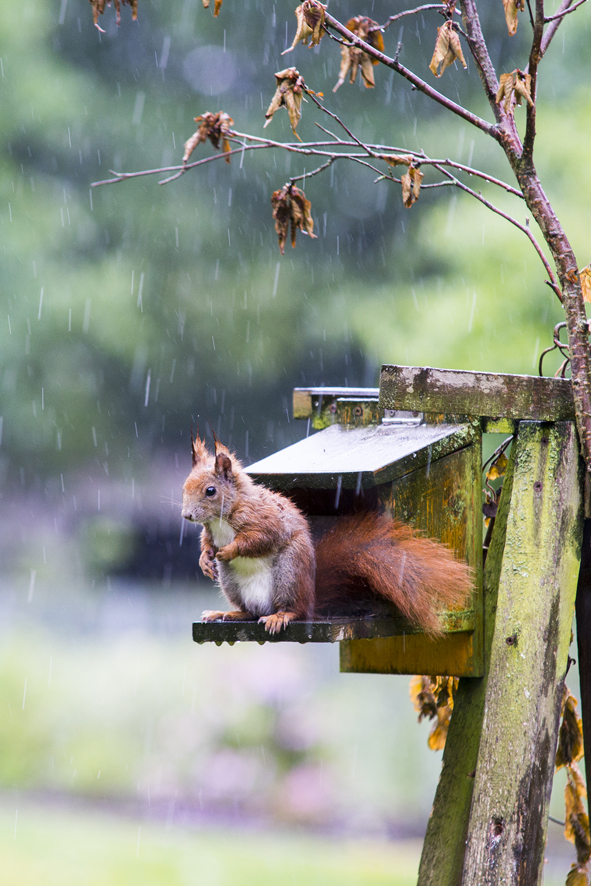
(208, 564)
(226, 553)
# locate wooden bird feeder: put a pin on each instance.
(424, 472)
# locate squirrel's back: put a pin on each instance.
(369, 556)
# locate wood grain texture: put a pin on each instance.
(535, 605)
(483, 394)
(443, 850)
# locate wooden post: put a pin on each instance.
(535, 606)
(489, 820)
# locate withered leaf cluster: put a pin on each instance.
(288, 94)
(310, 19)
(512, 7)
(215, 127)
(216, 6)
(585, 277)
(515, 85)
(447, 49)
(433, 697)
(352, 58)
(496, 471)
(411, 185)
(576, 829)
(291, 209)
(98, 7)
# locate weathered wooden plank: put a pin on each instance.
(453, 655)
(320, 404)
(583, 610)
(476, 393)
(513, 778)
(328, 630)
(443, 850)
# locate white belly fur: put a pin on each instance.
(252, 574)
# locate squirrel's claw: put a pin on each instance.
(209, 566)
(275, 622)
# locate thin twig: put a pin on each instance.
(305, 175)
(560, 14)
(557, 19)
(524, 228)
(399, 15)
(328, 132)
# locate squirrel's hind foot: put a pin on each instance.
(275, 622)
(215, 615)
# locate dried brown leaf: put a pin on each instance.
(515, 85)
(433, 697)
(215, 127)
(310, 22)
(98, 7)
(576, 828)
(570, 735)
(288, 94)
(422, 696)
(216, 6)
(498, 468)
(579, 875)
(353, 58)
(397, 159)
(585, 276)
(512, 7)
(447, 49)
(411, 186)
(291, 210)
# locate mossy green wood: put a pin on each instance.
(443, 850)
(532, 633)
(442, 498)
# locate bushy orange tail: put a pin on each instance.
(368, 556)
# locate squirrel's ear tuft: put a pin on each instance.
(219, 447)
(223, 463)
(198, 449)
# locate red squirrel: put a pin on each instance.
(258, 545)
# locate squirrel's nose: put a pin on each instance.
(186, 513)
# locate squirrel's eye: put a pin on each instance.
(210, 491)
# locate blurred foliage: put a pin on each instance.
(253, 732)
(132, 309)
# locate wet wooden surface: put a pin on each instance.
(483, 394)
(328, 630)
(363, 456)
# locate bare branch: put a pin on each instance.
(475, 172)
(564, 9)
(399, 15)
(556, 21)
(535, 56)
(416, 81)
(524, 228)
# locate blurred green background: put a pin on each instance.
(130, 311)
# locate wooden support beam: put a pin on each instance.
(535, 605)
(484, 394)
